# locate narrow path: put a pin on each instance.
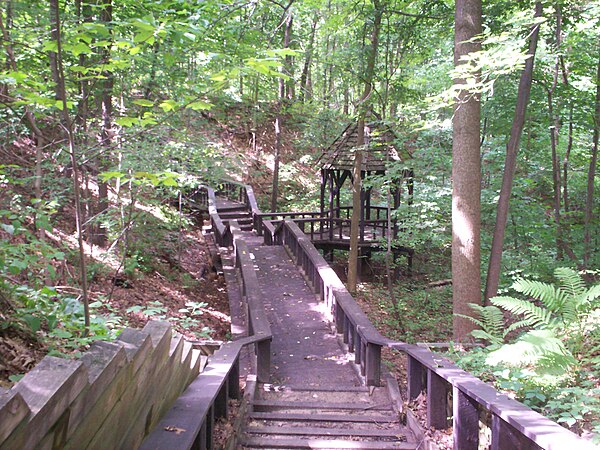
(316, 398)
(305, 352)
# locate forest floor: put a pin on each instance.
(132, 301)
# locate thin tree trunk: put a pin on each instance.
(565, 165)
(555, 172)
(589, 202)
(305, 90)
(277, 157)
(100, 235)
(67, 123)
(510, 163)
(466, 177)
(289, 60)
(358, 157)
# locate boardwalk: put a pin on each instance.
(318, 382)
(315, 397)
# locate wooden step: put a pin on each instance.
(351, 418)
(228, 215)
(281, 404)
(324, 444)
(325, 431)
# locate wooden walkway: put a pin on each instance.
(315, 378)
(315, 397)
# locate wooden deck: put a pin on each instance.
(315, 397)
(316, 374)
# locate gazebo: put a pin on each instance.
(337, 164)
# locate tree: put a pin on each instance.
(466, 175)
(510, 163)
(363, 107)
(591, 177)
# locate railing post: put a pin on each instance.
(263, 361)
(340, 318)
(221, 400)
(373, 364)
(505, 437)
(234, 380)
(415, 378)
(465, 418)
(437, 401)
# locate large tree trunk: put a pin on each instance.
(510, 163)
(589, 201)
(466, 176)
(358, 157)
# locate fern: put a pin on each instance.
(571, 281)
(550, 296)
(534, 316)
(490, 322)
(564, 311)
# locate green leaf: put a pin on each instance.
(81, 49)
(143, 102)
(105, 176)
(169, 105)
(200, 106)
(144, 36)
(33, 322)
(127, 121)
(61, 333)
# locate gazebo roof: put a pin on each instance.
(380, 140)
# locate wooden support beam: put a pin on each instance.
(465, 417)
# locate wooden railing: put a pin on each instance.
(513, 425)
(190, 421)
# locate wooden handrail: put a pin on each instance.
(189, 423)
(513, 424)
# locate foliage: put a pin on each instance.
(545, 364)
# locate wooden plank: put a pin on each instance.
(541, 430)
(104, 361)
(304, 417)
(355, 406)
(416, 374)
(192, 409)
(437, 401)
(322, 431)
(260, 442)
(141, 406)
(13, 410)
(465, 417)
(48, 389)
(505, 437)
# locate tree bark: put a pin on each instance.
(68, 125)
(305, 88)
(466, 176)
(589, 202)
(510, 163)
(358, 157)
(99, 237)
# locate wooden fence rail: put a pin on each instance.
(190, 422)
(513, 425)
(107, 399)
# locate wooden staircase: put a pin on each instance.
(327, 418)
(239, 213)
